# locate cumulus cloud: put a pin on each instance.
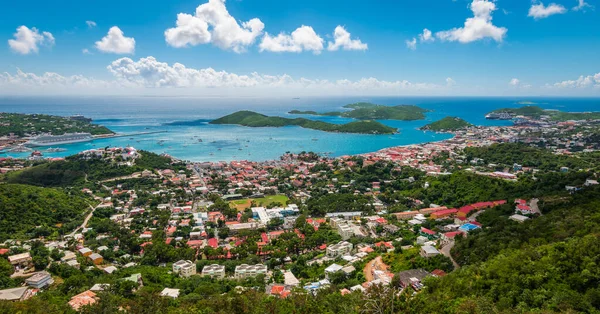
(584, 81)
(90, 24)
(582, 5)
(150, 76)
(28, 40)
(116, 42)
(450, 82)
(304, 38)
(514, 82)
(426, 36)
(411, 44)
(212, 23)
(343, 40)
(540, 11)
(478, 27)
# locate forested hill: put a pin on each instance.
(38, 211)
(73, 170)
(22, 124)
(369, 111)
(447, 124)
(254, 119)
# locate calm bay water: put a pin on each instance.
(229, 142)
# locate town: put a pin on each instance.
(301, 224)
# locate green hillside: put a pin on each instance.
(369, 111)
(447, 124)
(253, 119)
(33, 210)
(21, 124)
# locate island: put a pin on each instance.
(369, 111)
(254, 119)
(447, 124)
(22, 125)
(536, 112)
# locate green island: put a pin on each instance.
(447, 124)
(253, 119)
(555, 115)
(369, 111)
(34, 124)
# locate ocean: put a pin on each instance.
(130, 115)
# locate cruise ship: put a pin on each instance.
(68, 138)
(499, 116)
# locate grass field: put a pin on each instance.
(242, 204)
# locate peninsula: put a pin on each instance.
(253, 119)
(369, 111)
(447, 124)
(35, 124)
(538, 112)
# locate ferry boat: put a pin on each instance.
(68, 138)
(19, 149)
(55, 150)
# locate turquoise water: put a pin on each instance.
(230, 142)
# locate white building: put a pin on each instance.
(171, 293)
(214, 271)
(184, 268)
(246, 271)
(339, 249)
(428, 251)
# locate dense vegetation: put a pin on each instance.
(28, 210)
(253, 119)
(21, 124)
(369, 111)
(447, 124)
(556, 115)
(528, 156)
(74, 170)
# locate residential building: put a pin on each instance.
(96, 258)
(15, 294)
(171, 293)
(85, 298)
(214, 271)
(39, 280)
(20, 261)
(428, 251)
(246, 271)
(184, 268)
(339, 249)
(518, 218)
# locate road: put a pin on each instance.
(446, 251)
(85, 221)
(534, 206)
(376, 264)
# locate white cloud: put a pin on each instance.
(90, 24)
(580, 83)
(539, 11)
(514, 82)
(86, 51)
(582, 5)
(212, 23)
(477, 27)
(343, 40)
(450, 82)
(190, 31)
(426, 36)
(28, 40)
(148, 76)
(411, 44)
(303, 38)
(116, 42)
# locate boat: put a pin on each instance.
(67, 138)
(199, 140)
(315, 139)
(499, 116)
(19, 149)
(55, 150)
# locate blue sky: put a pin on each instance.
(512, 47)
